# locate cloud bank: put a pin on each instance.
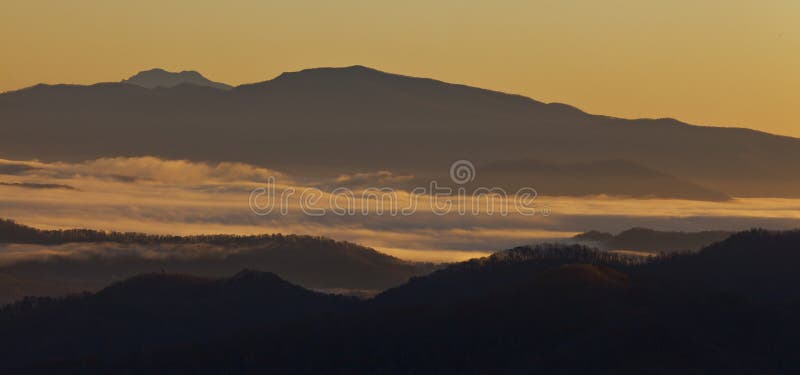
(152, 195)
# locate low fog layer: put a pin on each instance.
(159, 196)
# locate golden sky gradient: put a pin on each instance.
(733, 62)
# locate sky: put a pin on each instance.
(709, 62)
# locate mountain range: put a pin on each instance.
(729, 308)
(327, 121)
(57, 263)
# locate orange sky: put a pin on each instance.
(733, 62)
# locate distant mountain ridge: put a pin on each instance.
(88, 260)
(605, 177)
(648, 240)
(160, 78)
(343, 120)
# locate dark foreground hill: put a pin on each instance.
(54, 263)
(155, 311)
(730, 309)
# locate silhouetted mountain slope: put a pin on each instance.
(501, 271)
(155, 311)
(334, 120)
(87, 260)
(155, 78)
(648, 240)
(759, 264)
(564, 310)
(612, 177)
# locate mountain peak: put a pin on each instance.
(332, 73)
(157, 77)
(249, 275)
